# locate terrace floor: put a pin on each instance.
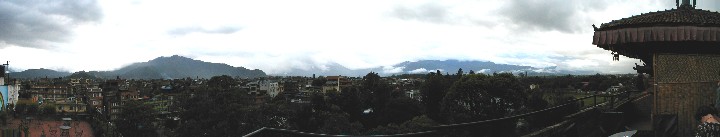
(51, 128)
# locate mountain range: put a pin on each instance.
(426, 66)
(183, 67)
(159, 68)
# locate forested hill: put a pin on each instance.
(182, 67)
(38, 73)
(159, 68)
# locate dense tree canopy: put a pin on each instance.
(482, 97)
(432, 92)
(136, 120)
(374, 106)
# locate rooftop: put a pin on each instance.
(684, 15)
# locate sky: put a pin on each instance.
(279, 35)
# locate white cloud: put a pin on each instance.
(486, 71)
(419, 71)
(391, 69)
(319, 33)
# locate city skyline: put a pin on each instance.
(279, 36)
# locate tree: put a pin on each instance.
(416, 124)
(432, 92)
(222, 82)
(33, 109)
(537, 102)
(349, 101)
(482, 97)
(379, 93)
(21, 108)
(48, 109)
(290, 87)
(319, 82)
(377, 88)
(401, 109)
(336, 122)
(318, 102)
(459, 73)
(220, 110)
(3, 118)
(136, 119)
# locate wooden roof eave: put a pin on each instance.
(625, 36)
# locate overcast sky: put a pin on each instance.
(276, 35)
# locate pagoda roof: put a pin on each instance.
(682, 16)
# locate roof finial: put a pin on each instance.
(685, 4)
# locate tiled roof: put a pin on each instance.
(674, 17)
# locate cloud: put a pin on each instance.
(197, 29)
(559, 15)
(454, 13)
(420, 70)
(391, 69)
(484, 71)
(39, 24)
(431, 12)
(711, 5)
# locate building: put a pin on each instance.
(271, 88)
(336, 83)
(414, 94)
(9, 90)
(681, 51)
(111, 99)
(94, 97)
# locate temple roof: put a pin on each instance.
(683, 16)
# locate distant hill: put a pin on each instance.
(426, 66)
(453, 65)
(332, 69)
(159, 68)
(89, 75)
(181, 67)
(38, 73)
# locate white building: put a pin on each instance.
(272, 88)
(13, 94)
(413, 94)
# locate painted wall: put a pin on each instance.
(4, 93)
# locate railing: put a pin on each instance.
(610, 102)
(306, 134)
